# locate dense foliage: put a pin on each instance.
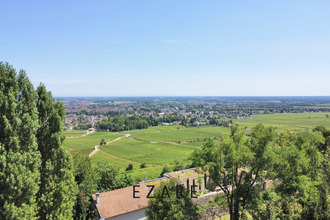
(95, 177)
(169, 203)
(38, 179)
(124, 123)
(295, 164)
(57, 185)
(36, 172)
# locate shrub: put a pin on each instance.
(129, 167)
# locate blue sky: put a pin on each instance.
(170, 48)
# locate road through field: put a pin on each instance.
(96, 148)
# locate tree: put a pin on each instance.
(299, 168)
(102, 142)
(236, 164)
(57, 186)
(301, 189)
(166, 169)
(123, 180)
(325, 173)
(264, 204)
(19, 155)
(87, 179)
(325, 147)
(108, 173)
(169, 203)
(178, 165)
(129, 167)
(36, 172)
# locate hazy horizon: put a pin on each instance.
(191, 96)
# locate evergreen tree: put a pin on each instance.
(36, 172)
(19, 155)
(58, 189)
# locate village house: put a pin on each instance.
(197, 123)
(119, 204)
(166, 124)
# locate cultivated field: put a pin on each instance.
(288, 121)
(85, 144)
(74, 134)
(163, 145)
(149, 153)
(178, 134)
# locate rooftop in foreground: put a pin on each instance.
(121, 201)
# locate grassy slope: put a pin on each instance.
(182, 134)
(150, 153)
(86, 144)
(288, 121)
(122, 163)
(74, 134)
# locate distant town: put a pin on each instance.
(86, 113)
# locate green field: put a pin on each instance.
(155, 146)
(154, 129)
(287, 121)
(162, 145)
(146, 173)
(85, 144)
(150, 153)
(74, 133)
(178, 133)
(122, 163)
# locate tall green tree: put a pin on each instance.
(237, 163)
(36, 172)
(172, 201)
(58, 189)
(301, 189)
(299, 169)
(325, 175)
(19, 156)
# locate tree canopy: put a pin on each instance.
(294, 164)
(172, 201)
(36, 172)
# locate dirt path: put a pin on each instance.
(96, 148)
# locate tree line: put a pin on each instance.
(125, 123)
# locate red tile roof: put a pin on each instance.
(121, 201)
